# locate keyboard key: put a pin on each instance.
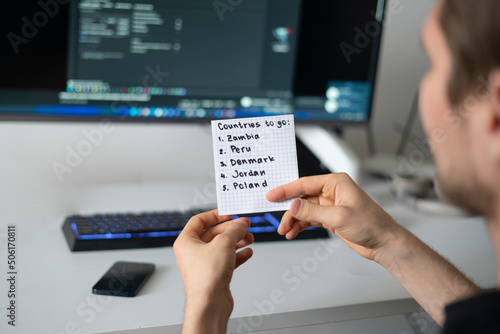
(132, 230)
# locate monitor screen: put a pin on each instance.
(189, 60)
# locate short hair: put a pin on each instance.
(472, 30)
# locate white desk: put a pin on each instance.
(54, 285)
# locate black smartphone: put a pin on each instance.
(124, 279)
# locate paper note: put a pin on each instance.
(253, 156)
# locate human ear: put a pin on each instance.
(493, 123)
(494, 84)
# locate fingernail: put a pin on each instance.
(295, 207)
(241, 221)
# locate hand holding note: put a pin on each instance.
(253, 156)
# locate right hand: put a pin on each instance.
(207, 257)
(338, 204)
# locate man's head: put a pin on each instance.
(460, 100)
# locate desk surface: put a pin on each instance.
(55, 285)
(285, 279)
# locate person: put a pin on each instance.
(460, 111)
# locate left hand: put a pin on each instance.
(207, 258)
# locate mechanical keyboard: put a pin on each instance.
(157, 229)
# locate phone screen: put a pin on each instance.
(124, 279)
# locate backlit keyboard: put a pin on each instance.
(123, 231)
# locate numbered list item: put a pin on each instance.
(253, 156)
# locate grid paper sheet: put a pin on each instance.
(253, 156)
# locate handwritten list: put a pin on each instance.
(253, 156)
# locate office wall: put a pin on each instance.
(402, 65)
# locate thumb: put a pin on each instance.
(307, 211)
(236, 230)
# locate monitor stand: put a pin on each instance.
(330, 149)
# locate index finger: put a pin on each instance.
(197, 224)
(311, 185)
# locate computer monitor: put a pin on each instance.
(189, 60)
